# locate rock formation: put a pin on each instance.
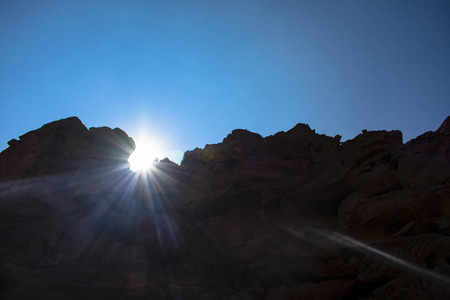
(296, 215)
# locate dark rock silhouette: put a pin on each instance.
(64, 146)
(296, 215)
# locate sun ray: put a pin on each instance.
(365, 248)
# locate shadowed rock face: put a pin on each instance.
(64, 146)
(296, 215)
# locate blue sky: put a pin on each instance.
(189, 72)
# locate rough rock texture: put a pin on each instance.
(296, 215)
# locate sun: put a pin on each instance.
(145, 155)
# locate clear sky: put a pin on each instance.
(189, 72)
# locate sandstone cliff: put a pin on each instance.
(296, 215)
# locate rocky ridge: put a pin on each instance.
(290, 216)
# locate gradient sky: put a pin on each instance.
(189, 72)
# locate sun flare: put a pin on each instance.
(145, 155)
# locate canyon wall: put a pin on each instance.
(295, 215)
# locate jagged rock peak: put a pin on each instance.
(445, 127)
(302, 129)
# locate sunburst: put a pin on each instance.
(145, 155)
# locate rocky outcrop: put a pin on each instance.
(64, 146)
(290, 216)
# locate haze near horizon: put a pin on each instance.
(187, 74)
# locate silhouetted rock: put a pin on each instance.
(295, 215)
(64, 146)
(445, 127)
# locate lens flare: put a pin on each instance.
(365, 248)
